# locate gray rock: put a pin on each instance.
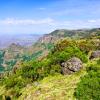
(72, 65)
(95, 54)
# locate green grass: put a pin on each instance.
(57, 87)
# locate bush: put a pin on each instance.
(55, 69)
(89, 86)
(86, 45)
(67, 53)
(14, 81)
(98, 62)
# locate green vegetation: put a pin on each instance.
(56, 87)
(10, 64)
(48, 46)
(32, 57)
(35, 70)
(89, 86)
(76, 34)
(68, 51)
(1, 60)
(41, 79)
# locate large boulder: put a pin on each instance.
(95, 54)
(72, 65)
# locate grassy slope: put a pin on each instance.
(57, 87)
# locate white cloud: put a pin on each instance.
(94, 21)
(12, 21)
(91, 21)
(11, 25)
(52, 22)
(77, 24)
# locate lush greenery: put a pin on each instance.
(33, 56)
(31, 70)
(1, 60)
(56, 87)
(89, 86)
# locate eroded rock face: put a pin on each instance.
(95, 54)
(72, 65)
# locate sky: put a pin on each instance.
(44, 16)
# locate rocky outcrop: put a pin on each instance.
(72, 65)
(46, 39)
(95, 54)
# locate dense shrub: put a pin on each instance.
(98, 62)
(55, 69)
(88, 45)
(15, 83)
(62, 44)
(67, 53)
(15, 80)
(1, 60)
(89, 86)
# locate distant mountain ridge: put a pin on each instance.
(80, 33)
(64, 33)
(22, 39)
(29, 39)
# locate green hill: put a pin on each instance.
(54, 68)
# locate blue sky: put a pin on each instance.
(43, 16)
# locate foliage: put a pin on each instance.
(48, 46)
(10, 64)
(15, 84)
(87, 45)
(62, 44)
(35, 70)
(33, 56)
(56, 87)
(89, 86)
(2, 68)
(1, 60)
(68, 52)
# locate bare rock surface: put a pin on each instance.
(72, 65)
(95, 54)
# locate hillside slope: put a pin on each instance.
(59, 74)
(42, 47)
